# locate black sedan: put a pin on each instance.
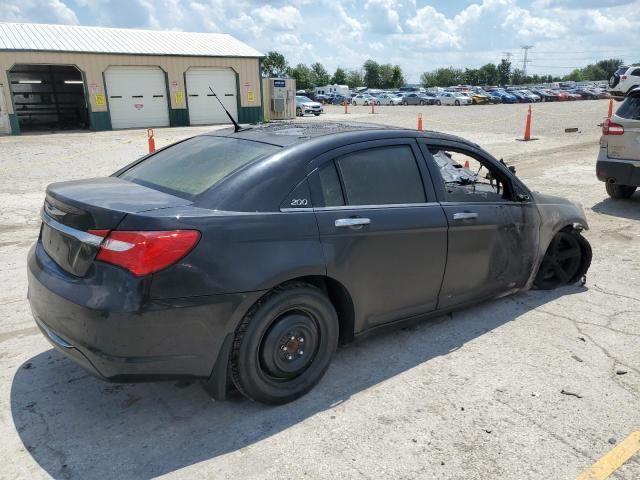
(244, 257)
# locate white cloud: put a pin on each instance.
(383, 16)
(43, 11)
(283, 18)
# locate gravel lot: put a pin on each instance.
(475, 395)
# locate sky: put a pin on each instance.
(418, 35)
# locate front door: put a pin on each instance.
(383, 235)
(492, 232)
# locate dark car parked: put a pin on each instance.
(245, 257)
(545, 95)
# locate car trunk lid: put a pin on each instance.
(75, 212)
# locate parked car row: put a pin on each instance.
(469, 95)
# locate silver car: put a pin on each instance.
(389, 99)
(453, 98)
(304, 106)
(619, 159)
(364, 99)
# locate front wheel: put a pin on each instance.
(284, 344)
(405, 103)
(421, 102)
(457, 102)
(299, 112)
(619, 191)
(567, 259)
(438, 102)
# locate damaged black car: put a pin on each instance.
(244, 257)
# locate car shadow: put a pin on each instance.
(629, 208)
(78, 426)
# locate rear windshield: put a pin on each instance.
(189, 168)
(630, 108)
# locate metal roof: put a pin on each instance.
(72, 38)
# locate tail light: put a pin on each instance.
(623, 77)
(612, 128)
(144, 252)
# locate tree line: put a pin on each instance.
(372, 74)
(504, 74)
(384, 75)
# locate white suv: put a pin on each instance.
(624, 80)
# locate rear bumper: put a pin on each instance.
(621, 172)
(134, 340)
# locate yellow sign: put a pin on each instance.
(179, 98)
(250, 96)
(100, 101)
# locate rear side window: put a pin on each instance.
(630, 108)
(381, 176)
(330, 184)
(195, 165)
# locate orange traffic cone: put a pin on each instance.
(610, 108)
(345, 105)
(151, 140)
(419, 122)
(527, 126)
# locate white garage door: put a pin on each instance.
(137, 97)
(204, 109)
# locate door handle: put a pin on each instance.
(355, 223)
(465, 215)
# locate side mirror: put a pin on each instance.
(512, 169)
(523, 197)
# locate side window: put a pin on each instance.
(636, 72)
(468, 178)
(381, 176)
(330, 185)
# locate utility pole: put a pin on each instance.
(526, 49)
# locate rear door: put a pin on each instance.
(383, 234)
(492, 235)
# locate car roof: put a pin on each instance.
(288, 133)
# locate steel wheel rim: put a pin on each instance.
(289, 346)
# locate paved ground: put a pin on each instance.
(476, 395)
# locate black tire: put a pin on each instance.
(566, 260)
(354, 103)
(317, 114)
(439, 103)
(366, 103)
(284, 344)
(457, 103)
(619, 191)
(421, 102)
(405, 103)
(299, 112)
(614, 80)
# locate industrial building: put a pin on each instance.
(61, 77)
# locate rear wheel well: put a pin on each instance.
(339, 297)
